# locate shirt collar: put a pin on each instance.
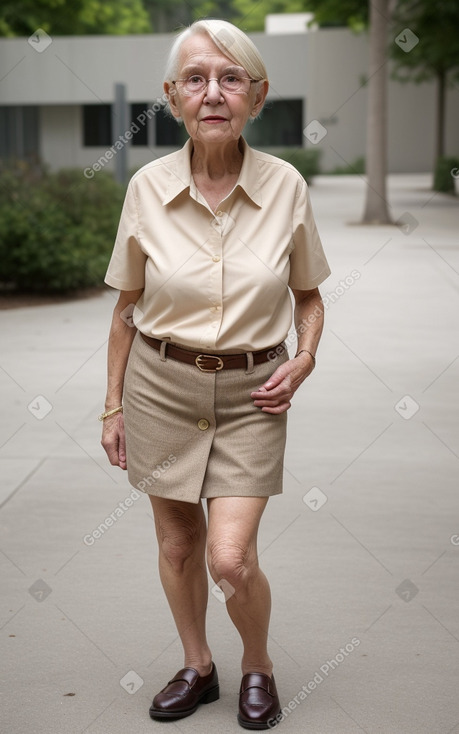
(180, 174)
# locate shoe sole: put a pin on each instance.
(209, 697)
(270, 724)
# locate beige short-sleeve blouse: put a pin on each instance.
(217, 281)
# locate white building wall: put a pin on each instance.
(336, 97)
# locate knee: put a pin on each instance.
(179, 538)
(230, 561)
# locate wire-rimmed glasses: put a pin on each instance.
(230, 83)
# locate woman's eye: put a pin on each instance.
(231, 79)
(195, 79)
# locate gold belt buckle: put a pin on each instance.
(200, 362)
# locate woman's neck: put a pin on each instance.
(216, 161)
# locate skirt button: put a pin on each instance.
(203, 425)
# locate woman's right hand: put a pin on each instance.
(114, 440)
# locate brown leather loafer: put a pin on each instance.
(183, 694)
(258, 702)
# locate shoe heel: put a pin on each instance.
(212, 695)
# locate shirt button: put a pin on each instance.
(203, 425)
(216, 259)
(219, 213)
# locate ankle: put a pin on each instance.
(203, 666)
(251, 666)
(203, 670)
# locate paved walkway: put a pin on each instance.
(362, 549)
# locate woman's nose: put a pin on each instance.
(213, 92)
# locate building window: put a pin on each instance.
(19, 133)
(280, 125)
(139, 120)
(168, 132)
(97, 125)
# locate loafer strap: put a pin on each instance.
(258, 680)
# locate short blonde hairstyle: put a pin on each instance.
(231, 41)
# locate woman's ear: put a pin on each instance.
(172, 95)
(260, 99)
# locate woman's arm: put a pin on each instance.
(309, 323)
(122, 333)
(275, 395)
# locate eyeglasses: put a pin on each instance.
(231, 83)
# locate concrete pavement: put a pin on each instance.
(362, 549)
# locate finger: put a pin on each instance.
(272, 403)
(122, 450)
(286, 370)
(282, 391)
(112, 453)
(283, 385)
(276, 378)
(278, 409)
(275, 394)
(268, 403)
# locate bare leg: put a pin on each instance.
(232, 556)
(181, 532)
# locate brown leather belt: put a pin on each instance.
(212, 362)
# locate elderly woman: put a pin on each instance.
(211, 239)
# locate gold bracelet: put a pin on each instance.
(308, 352)
(103, 416)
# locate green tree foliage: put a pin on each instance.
(118, 17)
(78, 17)
(167, 15)
(352, 13)
(250, 17)
(437, 27)
(435, 56)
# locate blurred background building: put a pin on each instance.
(57, 96)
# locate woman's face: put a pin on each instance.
(212, 116)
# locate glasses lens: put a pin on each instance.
(194, 84)
(233, 84)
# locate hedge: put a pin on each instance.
(446, 169)
(56, 229)
(305, 160)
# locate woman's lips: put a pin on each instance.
(213, 119)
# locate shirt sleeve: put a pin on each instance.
(126, 269)
(308, 264)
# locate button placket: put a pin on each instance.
(215, 282)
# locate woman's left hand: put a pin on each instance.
(276, 393)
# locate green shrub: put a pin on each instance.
(56, 229)
(443, 177)
(305, 160)
(357, 166)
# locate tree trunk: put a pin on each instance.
(441, 104)
(376, 207)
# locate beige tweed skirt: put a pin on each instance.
(193, 434)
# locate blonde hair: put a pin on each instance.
(231, 41)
